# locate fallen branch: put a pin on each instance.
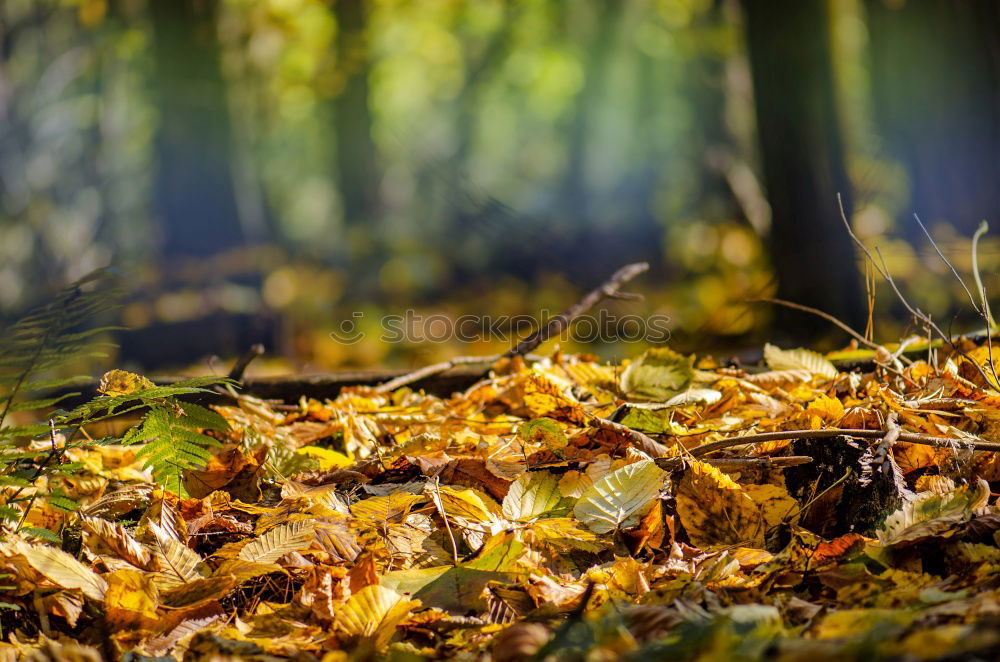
(559, 323)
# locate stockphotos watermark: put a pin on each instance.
(416, 328)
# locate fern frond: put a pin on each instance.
(174, 443)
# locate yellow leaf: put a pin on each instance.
(373, 614)
(469, 504)
(178, 563)
(384, 508)
(715, 510)
(798, 359)
(831, 410)
(131, 599)
(121, 382)
(62, 569)
(775, 503)
(279, 541)
(328, 459)
(659, 374)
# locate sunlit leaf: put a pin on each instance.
(373, 613)
(620, 498)
(534, 494)
(658, 375)
(281, 540)
(798, 359)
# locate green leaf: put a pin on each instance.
(532, 495)
(543, 431)
(44, 534)
(620, 498)
(658, 375)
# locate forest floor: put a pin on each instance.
(668, 507)
(563, 507)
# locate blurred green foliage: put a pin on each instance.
(611, 132)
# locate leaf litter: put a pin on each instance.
(522, 519)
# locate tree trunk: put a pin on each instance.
(356, 164)
(936, 92)
(802, 158)
(194, 186)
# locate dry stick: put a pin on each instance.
(854, 334)
(782, 435)
(827, 316)
(916, 312)
(892, 432)
(559, 323)
(987, 315)
(430, 371)
(236, 374)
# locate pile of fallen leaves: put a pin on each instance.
(528, 517)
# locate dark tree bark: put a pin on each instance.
(356, 162)
(802, 158)
(194, 186)
(936, 92)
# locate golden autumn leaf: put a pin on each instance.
(62, 569)
(115, 383)
(373, 613)
(281, 540)
(131, 600)
(799, 359)
(715, 510)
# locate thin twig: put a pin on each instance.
(562, 321)
(444, 515)
(980, 231)
(948, 263)
(827, 316)
(916, 312)
(987, 315)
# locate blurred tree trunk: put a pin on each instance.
(595, 71)
(802, 158)
(936, 92)
(356, 162)
(194, 186)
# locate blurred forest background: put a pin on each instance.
(262, 169)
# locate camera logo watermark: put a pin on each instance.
(416, 328)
